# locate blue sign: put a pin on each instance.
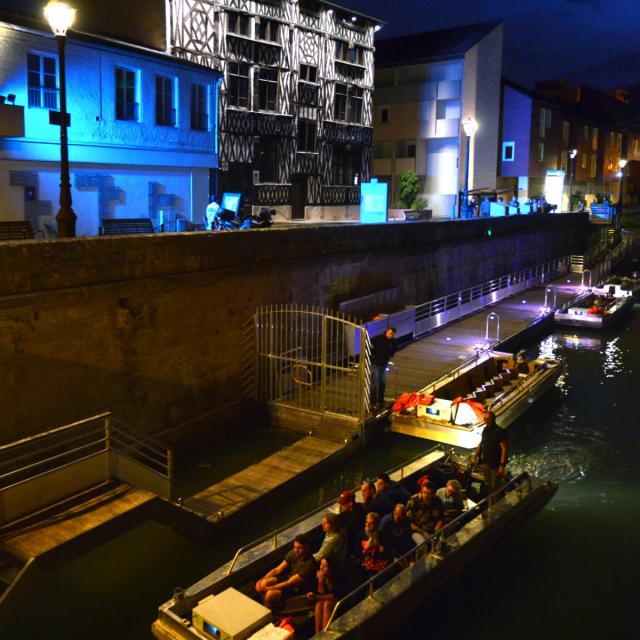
(231, 201)
(373, 201)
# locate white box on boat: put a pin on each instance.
(229, 616)
(271, 632)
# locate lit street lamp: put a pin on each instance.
(622, 163)
(60, 17)
(470, 126)
(572, 167)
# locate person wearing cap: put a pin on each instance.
(351, 518)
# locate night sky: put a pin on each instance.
(594, 41)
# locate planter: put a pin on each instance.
(417, 214)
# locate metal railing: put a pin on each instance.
(436, 313)
(436, 542)
(48, 466)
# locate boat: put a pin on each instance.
(619, 287)
(593, 310)
(450, 410)
(223, 606)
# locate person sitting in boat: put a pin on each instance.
(424, 511)
(452, 498)
(596, 309)
(521, 365)
(351, 518)
(395, 532)
(393, 491)
(374, 556)
(334, 544)
(491, 452)
(373, 501)
(293, 576)
(329, 587)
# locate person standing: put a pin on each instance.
(384, 346)
(491, 453)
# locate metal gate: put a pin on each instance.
(314, 364)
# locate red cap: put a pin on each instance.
(346, 496)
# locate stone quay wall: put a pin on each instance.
(154, 327)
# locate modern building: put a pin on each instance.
(426, 84)
(142, 134)
(296, 101)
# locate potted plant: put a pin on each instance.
(416, 207)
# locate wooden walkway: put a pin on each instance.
(238, 491)
(425, 360)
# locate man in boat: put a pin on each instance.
(424, 511)
(521, 365)
(491, 452)
(293, 576)
(452, 500)
(373, 501)
(395, 532)
(351, 517)
(393, 491)
(384, 346)
(334, 544)
(373, 554)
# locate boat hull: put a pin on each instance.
(581, 318)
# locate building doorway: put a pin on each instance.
(298, 196)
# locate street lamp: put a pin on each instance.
(622, 163)
(60, 17)
(572, 167)
(470, 126)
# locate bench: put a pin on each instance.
(16, 230)
(125, 226)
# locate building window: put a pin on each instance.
(541, 151)
(266, 159)
(238, 75)
(583, 160)
(346, 52)
(566, 128)
(126, 105)
(594, 138)
(564, 160)
(340, 102)
(382, 149)
(592, 166)
(199, 108)
(585, 132)
(42, 81)
(268, 30)
(238, 23)
(165, 104)
(308, 73)
(545, 121)
(384, 114)
(508, 151)
(267, 89)
(343, 168)
(306, 135)
(355, 104)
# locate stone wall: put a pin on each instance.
(153, 327)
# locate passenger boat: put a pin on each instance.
(595, 310)
(222, 606)
(451, 409)
(619, 288)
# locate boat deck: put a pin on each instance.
(239, 490)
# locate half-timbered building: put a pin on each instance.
(296, 100)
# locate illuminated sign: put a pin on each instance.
(554, 188)
(231, 201)
(373, 201)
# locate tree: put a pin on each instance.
(409, 187)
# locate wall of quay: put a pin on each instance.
(153, 327)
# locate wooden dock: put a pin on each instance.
(253, 483)
(427, 359)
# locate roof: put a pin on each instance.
(341, 7)
(428, 46)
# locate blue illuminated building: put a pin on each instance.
(142, 139)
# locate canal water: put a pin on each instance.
(568, 573)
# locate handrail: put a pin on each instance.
(274, 534)
(434, 537)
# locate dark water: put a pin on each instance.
(571, 572)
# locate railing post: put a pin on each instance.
(107, 444)
(364, 400)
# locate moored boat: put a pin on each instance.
(225, 597)
(595, 310)
(451, 409)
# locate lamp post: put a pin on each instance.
(622, 163)
(470, 126)
(572, 167)
(60, 17)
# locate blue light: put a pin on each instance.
(373, 202)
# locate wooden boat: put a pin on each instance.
(450, 409)
(373, 607)
(595, 311)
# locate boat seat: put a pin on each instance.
(296, 605)
(498, 382)
(480, 394)
(512, 373)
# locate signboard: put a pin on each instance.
(231, 201)
(373, 201)
(554, 188)
(55, 118)
(256, 177)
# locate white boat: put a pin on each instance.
(222, 606)
(594, 310)
(450, 409)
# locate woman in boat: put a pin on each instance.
(327, 591)
(334, 543)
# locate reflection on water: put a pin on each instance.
(569, 573)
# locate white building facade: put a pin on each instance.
(142, 134)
